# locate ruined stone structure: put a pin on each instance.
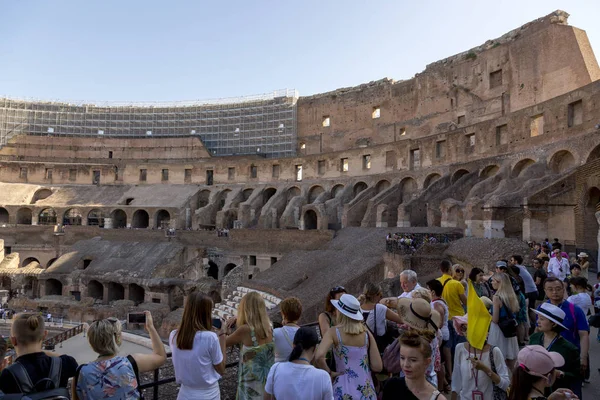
(502, 140)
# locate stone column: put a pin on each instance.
(403, 217)
(105, 293)
(34, 217)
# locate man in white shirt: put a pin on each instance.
(558, 266)
(408, 283)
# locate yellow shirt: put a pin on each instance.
(451, 295)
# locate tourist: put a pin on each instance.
(198, 353)
(583, 260)
(539, 277)
(469, 361)
(535, 373)
(298, 379)
(558, 266)
(502, 267)
(458, 274)
(550, 324)
(453, 293)
(355, 351)
(437, 303)
(27, 334)
(575, 321)
(257, 354)
(477, 278)
(408, 283)
(291, 310)
(328, 317)
(580, 295)
(531, 292)
(506, 306)
(111, 375)
(415, 357)
(376, 315)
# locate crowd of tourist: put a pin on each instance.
(525, 337)
(409, 243)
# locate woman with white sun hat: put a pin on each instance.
(354, 349)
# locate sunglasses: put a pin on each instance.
(460, 270)
(337, 289)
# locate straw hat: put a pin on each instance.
(349, 306)
(487, 302)
(417, 313)
(582, 255)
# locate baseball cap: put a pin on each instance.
(501, 264)
(538, 361)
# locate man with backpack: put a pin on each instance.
(41, 375)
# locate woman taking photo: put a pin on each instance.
(415, 357)
(550, 324)
(298, 379)
(355, 352)
(111, 375)
(198, 353)
(291, 310)
(477, 370)
(376, 315)
(535, 373)
(255, 335)
(506, 306)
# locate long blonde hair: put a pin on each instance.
(506, 292)
(253, 312)
(349, 325)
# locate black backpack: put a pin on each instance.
(45, 389)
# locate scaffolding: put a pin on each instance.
(263, 124)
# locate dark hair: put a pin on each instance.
(551, 279)
(436, 286)
(445, 266)
(197, 316)
(331, 296)
(474, 272)
(521, 384)
(3, 348)
(304, 339)
(538, 260)
(518, 259)
(556, 245)
(579, 281)
(575, 266)
(598, 275)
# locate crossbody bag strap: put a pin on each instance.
(287, 337)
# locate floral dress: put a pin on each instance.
(355, 383)
(255, 363)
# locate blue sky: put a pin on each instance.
(183, 50)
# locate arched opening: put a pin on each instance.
(458, 174)
(53, 287)
(489, 171)
(268, 193)
(213, 270)
(96, 218)
(47, 217)
(223, 198)
(163, 219)
(3, 215)
(382, 185)
(562, 161)
(293, 192)
(590, 222)
(337, 190)
(116, 291)
(72, 217)
(310, 220)
(176, 297)
(247, 193)
(28, 261)
(95, 290)
(595, 154)
(314, 193)
(119, 219)
(51, 262)
(136, 293)
(229, 218)
(24, 216)
(140, 219)
(408, 187)
(521, 166)
(359, 187)
(203, 198)
(228, 268)
(31, 289)
(41, 195)
(431, 179)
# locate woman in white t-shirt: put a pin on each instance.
(298, 379)
(291, 310)
(198, 353)
(376, 315)
(580, 296)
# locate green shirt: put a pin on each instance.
(570, 353)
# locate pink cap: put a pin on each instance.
(459, 322)
(538, 361)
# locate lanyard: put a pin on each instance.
(475, 371)
(551, 343)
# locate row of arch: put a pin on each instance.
(95, 217)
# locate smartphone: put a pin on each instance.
(137, 318)
(216, 322)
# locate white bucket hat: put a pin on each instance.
(349, 306)
(551, 312)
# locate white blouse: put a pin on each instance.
(463, 381)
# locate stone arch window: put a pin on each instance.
(41, 194)
(562, 161)
(314, 193)
(521, 166)
(119, 219)
(24, 216)
(29, 260)
(311, 220)
(458, 175)
(72, 217)
(95, 290)
(95, 218)
(431, 179)
(3, 215)
(47, 217)
(140, 219)
(359, 187)
(163, 219)
(382, 185)
(54, 287)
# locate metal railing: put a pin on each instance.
(409, 243)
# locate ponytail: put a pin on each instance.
(296, 352)
(305, 338)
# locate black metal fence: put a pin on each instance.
(400, 243)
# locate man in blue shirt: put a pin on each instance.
(578, 329)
